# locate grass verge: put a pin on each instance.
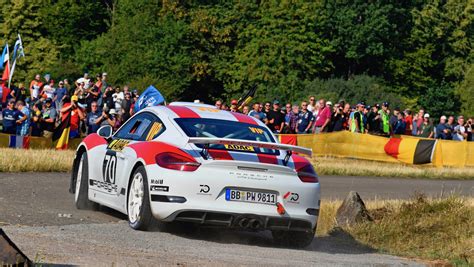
(356, 167)
(32, 160)
(428, 229)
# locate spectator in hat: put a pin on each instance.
(426, 129)
(275, 118)
(71, 107)
(442, 129)
(234, 105)
(305, 119)
(323, 118)
(48, 118)
(257, 113)
(459, 133)
(357, 123)
(11, 118)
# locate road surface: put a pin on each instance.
(37, 212)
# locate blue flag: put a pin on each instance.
(151, 97)
(4, 57)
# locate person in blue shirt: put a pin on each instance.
(400, 125)
(11, 117)
(59, 94)
(23, 124)
(305, 119)
(93, 118)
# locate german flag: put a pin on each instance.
(289, 139)
(411, 150)
(247, 97)
(61, 133)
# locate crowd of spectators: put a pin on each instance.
(321, 116)
(89, 103)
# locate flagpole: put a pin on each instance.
(17, 52)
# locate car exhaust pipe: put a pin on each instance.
(244, 223)
(254, 224)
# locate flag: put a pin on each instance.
(151, 97)
(61, 133)
(247, 97)
(411, 150)
(17, 53)
(5, 63)
(17, 141)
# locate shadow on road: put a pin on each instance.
(338, 241)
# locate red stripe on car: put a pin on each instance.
(184, 112)
(93, 140)
(271, 159)
(220, 154)
(299, 161)
(244, 118)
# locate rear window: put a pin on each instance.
(213, 128)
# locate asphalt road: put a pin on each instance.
(38, 213)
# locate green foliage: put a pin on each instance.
(440, 100)
(465, 91)
(396, 51)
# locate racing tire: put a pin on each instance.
(296, 239)
(81, 193)
(138, 201)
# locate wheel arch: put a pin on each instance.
(75, 164)
(139, 163)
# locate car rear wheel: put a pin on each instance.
(81, 193)
(293, 238)
(138, 201)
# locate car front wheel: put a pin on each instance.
(81, 192)
(138, 203)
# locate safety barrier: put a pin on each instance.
(337, 144)
(369, 147)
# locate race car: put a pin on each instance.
(194, 163)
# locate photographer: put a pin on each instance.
(108, 117)
(71, 106)
(338, 118)
(459, 132)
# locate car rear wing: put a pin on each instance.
(241, 142)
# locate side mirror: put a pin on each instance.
(105, 131)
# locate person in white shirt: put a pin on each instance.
(459, 133)
(312, 104)
(86, 80)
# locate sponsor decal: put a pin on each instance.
(104, 186)
(205, 109)
(154, 130)
(204, 189)
(156, 181)
(109, 167)
(118, 144)
(252, 176)
(256, 130)
(239, 147)
(291, 197)
(160, 188)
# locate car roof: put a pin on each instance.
(193, 110)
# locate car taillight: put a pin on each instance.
(178, 162)
(307, 174)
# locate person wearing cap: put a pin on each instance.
(108, 117)
(85, 80)
(323, 117)
(426, 129)
(11, 118)
(71, 106)
(59, 94)
(442, 131)
(48, 118)
(233, 105)
(275, 118)
(385, 118)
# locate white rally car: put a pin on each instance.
(195, 163)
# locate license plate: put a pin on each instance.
(250, 196)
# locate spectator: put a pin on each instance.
(469, 129)
(108, 100)
(312, 104)
(305, 119)
(67, 86)
(218, 104)
(257, 113)
(427, 126)
(291, 119)
(459, 133)
(118, 98)
(420, 120)
(409, 122)
(246, 110)
(23, 122)
(234, 105)
(104, 82)
(126, 106)
(48, 119)
(267, 108)
(338, 118)
(287, 108)
(71, 107)
(357, 123)
(414, 130)
(59, 94)
(400, 126)
(394, 118)
(373, 120)
(93, 119)
(275, 118)
(11, 117)
(442, 130)
(83, 81)
(49, 89)
(347, 112)
(108, 117)
(224, 106)
(323, 118)
(35, 87)
(35, 123)
(19, 93)
(384, 116)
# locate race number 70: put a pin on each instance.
(109, 168)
